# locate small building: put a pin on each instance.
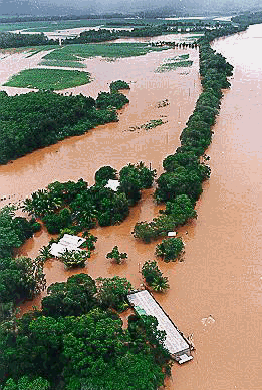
(178, 346)
(67, 242)
(112, 184)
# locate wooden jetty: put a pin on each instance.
(178, 346)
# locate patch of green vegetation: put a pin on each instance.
(112, 50)
(149, 125)
(184, 56)
(118, 84)
(62, 25)
(48, 79)
(35, 50)
(167, 66)
(63, 63)
(152, 123)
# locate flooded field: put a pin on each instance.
(114, 144)
(215, 293)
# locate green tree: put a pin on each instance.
(114, 86)
(10, 235)
(147, 175)
(116, 255)
(130, 183)
(105, 173)
(154, 276)
(90, 241)
(56, 222)
(24, 383)
(181, 209)
(111, 292)
(170, 249)
(73, 259)
(146, 231)
(72, 298)
(106, 100)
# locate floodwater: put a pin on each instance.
(12, 63)
(114, 144)
(215, 293)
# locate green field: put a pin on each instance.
(173, 65)
(112, 50)
(63, 63)
(48, 79)
(44, 26)
(180, 61)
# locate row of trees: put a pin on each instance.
(37, 119)
(77, 342)
(150, 30)
(20, 278)
(74, 204)
(181, 184)
(248, 18)
(8, 39)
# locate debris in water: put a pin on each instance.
(208, 320)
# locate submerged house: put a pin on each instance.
(178, 346)
(67, 242)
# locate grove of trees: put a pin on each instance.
(77, 342)
(79, 207)
(37, 119)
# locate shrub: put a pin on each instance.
(116, 255)
(154, 276)
(73, 259)
(170, 249)
(146, 231)
(116, 85)
(105, 173)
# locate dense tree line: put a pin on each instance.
(20, 278)
(37, 119)
(180, 186)
(248, 18)
(75, 205)
(8, 39)
(77, 342)
(150, 30)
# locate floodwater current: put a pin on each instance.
(215, 293)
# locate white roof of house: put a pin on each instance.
(171, 234)
(67, 242)
(68, 239)
(174, 342)
(57, 250)
(113, 184)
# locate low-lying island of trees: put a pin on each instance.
(37, 119)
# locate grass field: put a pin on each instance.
(43, 26)
(48, 79)
(173, 65)
(63, 63)
(112, 50)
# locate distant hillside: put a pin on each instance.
(167, 7)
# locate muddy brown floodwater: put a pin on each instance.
(215, 293)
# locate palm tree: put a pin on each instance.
(160, 284)
(45, 253)
(72, 259)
